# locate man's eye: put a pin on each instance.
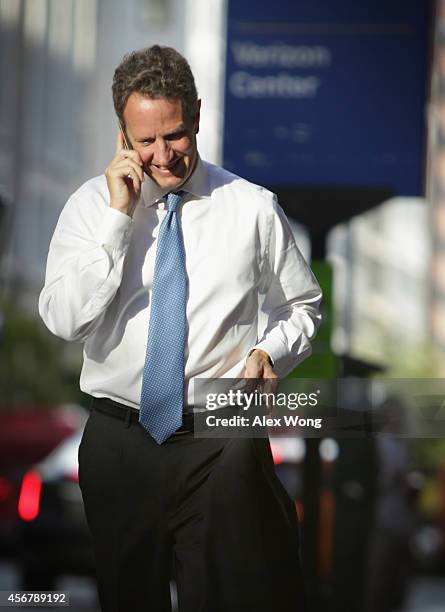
(176, 136)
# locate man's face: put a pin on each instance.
(164, 139)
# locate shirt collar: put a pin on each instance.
(197, 185)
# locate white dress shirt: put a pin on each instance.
(248, 284)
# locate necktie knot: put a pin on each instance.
(174, 198)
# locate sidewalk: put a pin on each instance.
(427, 594)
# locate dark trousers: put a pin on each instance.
(209, 512)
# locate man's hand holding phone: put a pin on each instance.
(124, 176)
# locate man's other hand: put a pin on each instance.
(124, 176)
(258, 365)
(259, 368)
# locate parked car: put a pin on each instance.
(27, 435)
(54, 537)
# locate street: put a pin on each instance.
(81, 590)
(427, 594)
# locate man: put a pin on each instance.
(169, 269)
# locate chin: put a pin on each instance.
(168, 182)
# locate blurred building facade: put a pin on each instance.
(382, 280)
(57, 129)
(390, 262)
(57, 122)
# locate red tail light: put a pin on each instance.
(277, 456)
(29, 500)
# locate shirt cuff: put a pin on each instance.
(115, 230)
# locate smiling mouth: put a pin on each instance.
(167, 170)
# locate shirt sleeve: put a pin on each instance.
(291, 301)
(84, 268)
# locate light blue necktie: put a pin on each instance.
(162, 396)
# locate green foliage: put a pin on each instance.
(34, 369)
(424, 361)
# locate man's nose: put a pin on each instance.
(162, 154)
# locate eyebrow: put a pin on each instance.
(178, 130)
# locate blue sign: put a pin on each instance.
(327, 93)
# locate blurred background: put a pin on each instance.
(337, 107)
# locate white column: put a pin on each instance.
(205, 49)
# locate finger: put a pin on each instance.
(273, 383)
(124, 166)
(245, 382)
(130, 162)
(134, 178)
(130, 154)
(264, 374)
(128, 174)
(268, 372)
(251, 383)
(269, 386)
(252, 370)
(252, 374)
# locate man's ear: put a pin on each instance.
(197, 116)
